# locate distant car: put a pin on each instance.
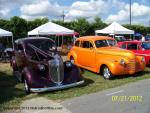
(99, 54)
(37, 64)
(147, 37)
(120, 38)
(139, 48)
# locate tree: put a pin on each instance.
(81, 25)
(18, 26)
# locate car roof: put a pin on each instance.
(94, 38)
(134, 41)
(21, 40)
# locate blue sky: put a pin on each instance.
(107, 10)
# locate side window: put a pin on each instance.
(123, 46)
(87, 44)
(77, 43)
(132, 46)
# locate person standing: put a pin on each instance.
(143, 38)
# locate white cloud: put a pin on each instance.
(8, 6)
(41, 9)
(88, 9)
(139, 13)
(5, 13)
(108, 10)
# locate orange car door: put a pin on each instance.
(87, 54)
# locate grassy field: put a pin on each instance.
(12, 93)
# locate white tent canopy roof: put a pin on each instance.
(50, 29)
(115, 28)
(5, 33)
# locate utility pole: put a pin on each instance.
(63, 16)
(130, 12)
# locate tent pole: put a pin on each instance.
(62, 40)
(13, 42)
(7, 41)
(58, 41)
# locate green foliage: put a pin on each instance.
(20, 26)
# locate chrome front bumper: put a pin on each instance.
(56, 87)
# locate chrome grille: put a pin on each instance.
(131, 65)
(56, 69)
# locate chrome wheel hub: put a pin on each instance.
(106, 73)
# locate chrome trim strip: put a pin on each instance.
(56, 87)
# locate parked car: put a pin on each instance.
(120, 38)
(139, 48)
(37, 64)
(147, 37)
(99, 54)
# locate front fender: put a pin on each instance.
(115, 67)
(13, 63)
(36, 79)
(72, 75)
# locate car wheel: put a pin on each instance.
(26, 86)
(106, 73)
(72, 60)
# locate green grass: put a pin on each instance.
(12, 93)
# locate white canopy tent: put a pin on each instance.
(4, 33)
(50, 29)
(114, 28)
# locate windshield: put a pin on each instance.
(146, 45)
(105, 43)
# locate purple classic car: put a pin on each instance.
(37, 63)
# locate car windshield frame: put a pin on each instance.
(105, 43)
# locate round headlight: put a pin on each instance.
(68, 64)
(122, 61)
(41, 67)
(143, 59)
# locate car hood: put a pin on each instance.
(116, 51)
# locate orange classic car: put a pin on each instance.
(100, 54)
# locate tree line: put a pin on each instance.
(19, 26)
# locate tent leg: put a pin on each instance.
(58, 41)
(62, 40)
(13, 42)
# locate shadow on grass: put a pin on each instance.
(8, 89)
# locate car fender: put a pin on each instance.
(108, 62)
(27, 74)
(75, 74)
(13, 63)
